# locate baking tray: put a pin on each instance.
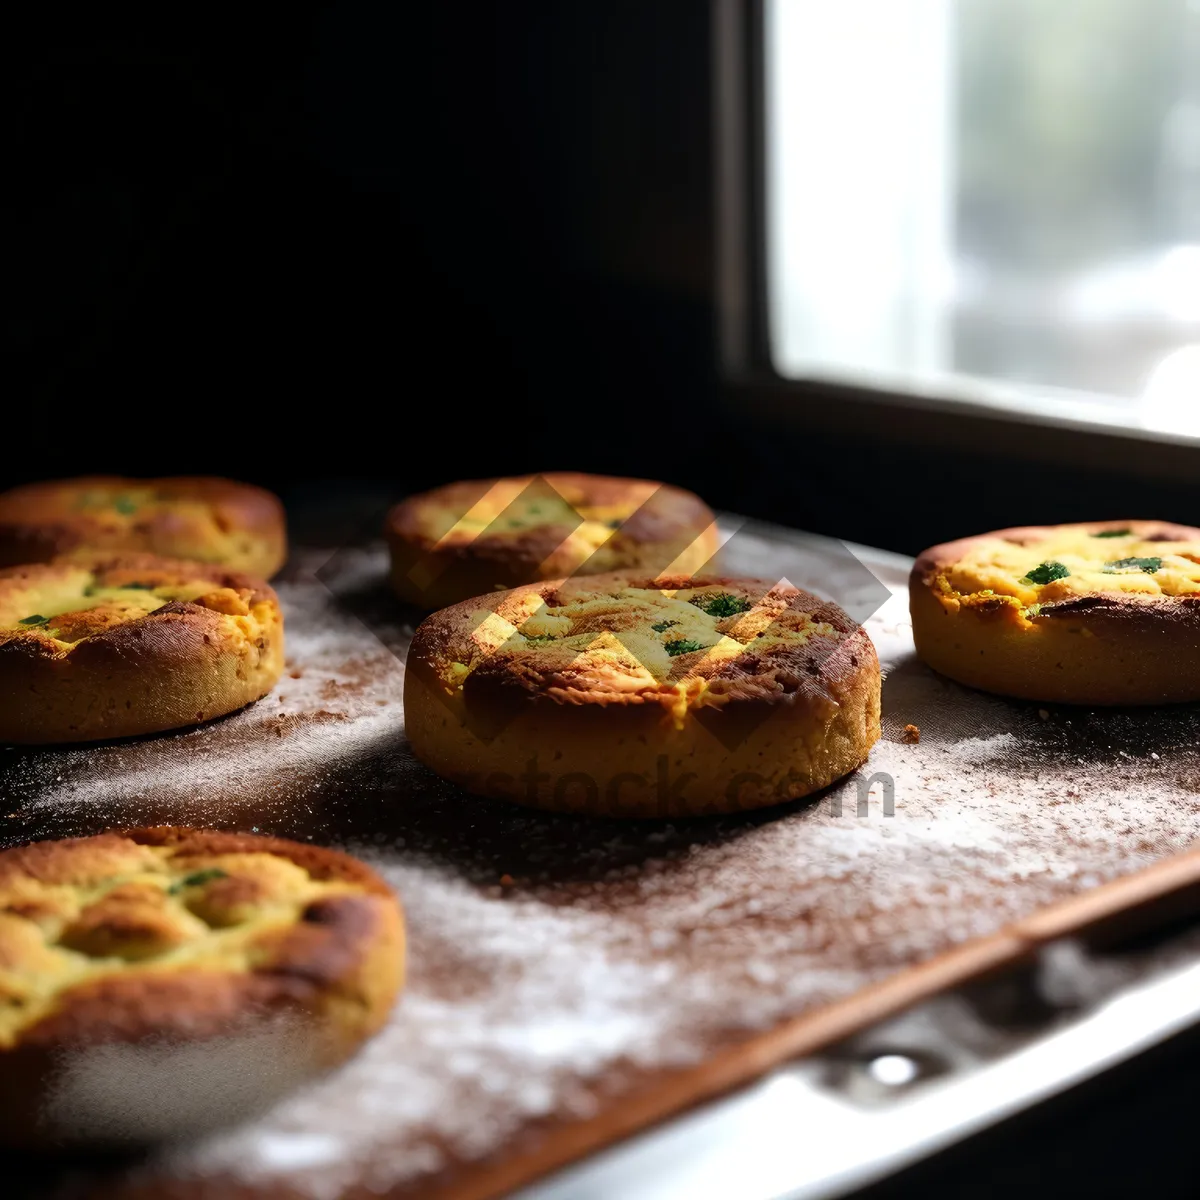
(572, 982)
(1082, 987)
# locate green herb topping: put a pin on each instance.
(721, 605)
(1046, 572)
(196, 878)
(1113, 533)
(1123, 565)
(663, 626)
(682, 646)
(36, 619)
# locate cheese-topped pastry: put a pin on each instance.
(154, 981)
(1098, 613)
(115, 645)
(468, 538)
(643, 697)
(211, 520)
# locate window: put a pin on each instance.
(989, 201)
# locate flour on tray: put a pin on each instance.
(555, 961)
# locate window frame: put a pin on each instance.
(926, 417)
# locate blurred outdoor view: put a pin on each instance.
(991, 199)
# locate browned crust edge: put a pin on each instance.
(30, 531)
(38, 857)
(172, 571)
(185, 646)
(814, 665)
(1148, 613)
(670, 517)
(772, 726)
(685, 509)
(1097, 649)
(937, 558)
(332, 976)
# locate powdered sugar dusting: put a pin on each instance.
(555, 962)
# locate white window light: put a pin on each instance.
(989, 201)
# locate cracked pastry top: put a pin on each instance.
(470, 538)
(174, 936)
(723, 676)
(211, 520)
(642, 641)
(115, 645)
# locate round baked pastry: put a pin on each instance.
(217, 521)
(156, 981)
(653, 697)
(1101, 613)
(118, 645)
(466, 539)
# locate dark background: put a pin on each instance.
(413, 243)
(400, 244)
(404, 242)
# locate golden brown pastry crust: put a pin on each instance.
(477, 536)
(176, 937)
(212, 520)
(1111, 617)
(117, 645)
(618, 696)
